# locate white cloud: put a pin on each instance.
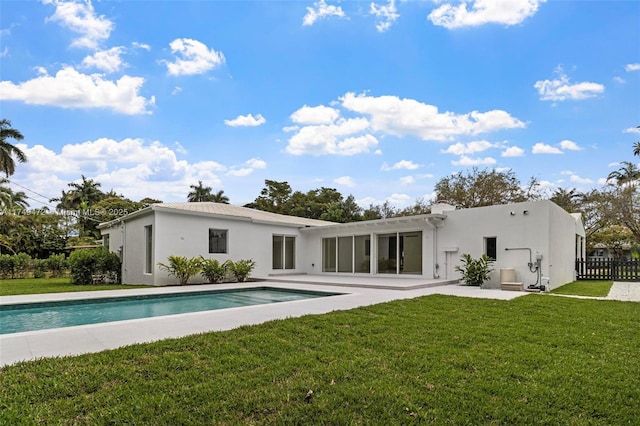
(619, 80)
(81, 18)
(401, 165)
(632, 130)
(246, 121)
(541, 148)
(469, 161)
(513, 151)
(328, 139)
(5, 52)
(386, 15)
(176, 90)
(404, 117)
(399, 200)
(192, 57)
(479, 12)
(632, 67)
(321, 10)
(256, 163)
(468, 148)
(407, 180)
(143, 46)
(71, 89)
(560, 89)
(134, 167)
(570, 145)
(345, 181)
(315, 115)
(578, 179)
(105, 60)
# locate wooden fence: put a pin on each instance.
(608, 269)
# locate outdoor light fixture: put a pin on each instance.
(525, 212)
(512, 213)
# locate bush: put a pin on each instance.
(241, 269)
(213, 270)
(182, 268)
(57, 264)
(475, 271)
(39, 268)
(86, 263)
(22, 262)
(7, 266)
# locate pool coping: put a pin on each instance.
(77, 340)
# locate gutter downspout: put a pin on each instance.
(434, 221)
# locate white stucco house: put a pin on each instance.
(517, 236)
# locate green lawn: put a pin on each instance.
(435, 359)
(50, 285)
(585, 288)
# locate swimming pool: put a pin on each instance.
(45, 315)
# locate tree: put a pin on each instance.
(200, 193)
(567, 199)
(219, 197)
(614, 237)
(7, 150)
(479, 188)
(628, 173)
(147, 201)
(80, 200)
(274, 197)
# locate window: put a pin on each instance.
(148, 252)
(491, 247)
(105, 241)
(284, 252)
(363, 253)
(329, 255)
(217, 240)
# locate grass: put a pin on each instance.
(435, 359)
(585, 288)
(51, 285)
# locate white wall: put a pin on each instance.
(187, 235)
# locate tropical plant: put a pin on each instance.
(213, 270)
(241, 269)
(475, 271)
(628, 173)
(7, 266)
(7, 150)
(22, 263)
(39, 268)
(182, 268)
(199, 193)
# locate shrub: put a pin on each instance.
(7, 266)
(22, 262)
(88, 262)
(475, 271)
(213, 270)
(57, 264)
(241, 268)
(83, 264)
(39, 268)
(182, 268)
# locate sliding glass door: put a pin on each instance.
(400, 253)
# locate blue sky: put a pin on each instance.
(379, 100)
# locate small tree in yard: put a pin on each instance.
(475, 271)
(213, 270)
(182, 268)
(241, 268)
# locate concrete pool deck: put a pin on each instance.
(98, 337)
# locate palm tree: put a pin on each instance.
(636, 149)
(199, 193)
(7, 150)
(219, 197)
(628, 173)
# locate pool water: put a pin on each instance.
(40, 316)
